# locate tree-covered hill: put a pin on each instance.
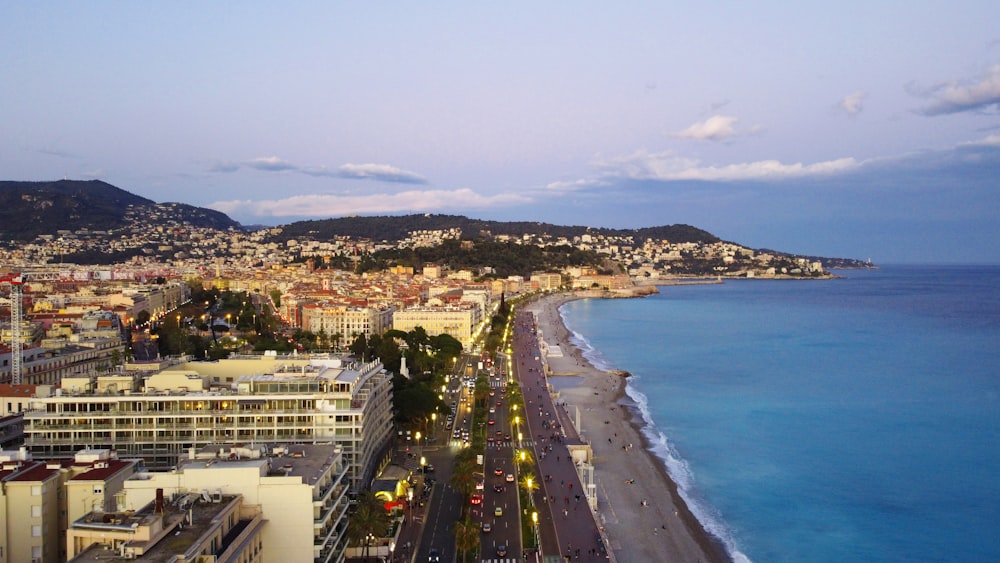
(396, 228)
(29, 209)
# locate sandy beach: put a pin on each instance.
(638, 505)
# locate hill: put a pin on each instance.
(29, 209)
(397, 228)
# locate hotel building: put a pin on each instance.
(249, 400)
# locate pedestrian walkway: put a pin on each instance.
(567, 525)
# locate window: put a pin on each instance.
(98, 489)
(36, 511)
(36, 490)
(36, 532)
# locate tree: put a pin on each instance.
(446, 345)
(463, 475)
(466, 536)
(359, 347)
(370, 519)
(276, 297)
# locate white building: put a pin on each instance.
(301, 491)
(462, 321)
(269, 399)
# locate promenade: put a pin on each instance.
(566, 523)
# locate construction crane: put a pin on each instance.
(16, 282)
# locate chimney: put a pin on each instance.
(159, 501)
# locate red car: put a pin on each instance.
(477, 498)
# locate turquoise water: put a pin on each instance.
(844, 420)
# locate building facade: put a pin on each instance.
(272, 399)
(462, 321)
(300, 490)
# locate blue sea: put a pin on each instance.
(855, 419)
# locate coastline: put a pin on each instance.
(636, 497)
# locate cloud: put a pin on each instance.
(382, 172)
(715, 128)
(224, 167)
(575, 185)
(988, 141)
(955, 97)
(852, 104)
(340, 205)
(270, 164)
(666, 166)
(370, 171)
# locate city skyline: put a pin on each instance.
(850, 130)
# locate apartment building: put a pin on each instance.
(345, 320)
(39, 498)
(220, 529)
(259, 399)
(547, 281)
(301, 491)
(463, 321)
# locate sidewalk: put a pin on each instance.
(567, 525)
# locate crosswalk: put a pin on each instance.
(506, 560)
(501, 443)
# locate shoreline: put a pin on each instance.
(636, 495)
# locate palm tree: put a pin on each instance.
(463, 475)
(370, 519)
(466, 536)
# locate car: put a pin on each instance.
(501, 550)
(487, 527)
(499, 433)
(509, 478)
(498, 471)
(493, 410)
(491, 422)
(506, 436)
(434, 556)
(498, 488)
(428, 468)
(489, 439)
(476, 499)
(498, 512)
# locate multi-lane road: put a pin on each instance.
(566, 526)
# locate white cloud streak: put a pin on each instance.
(666, 166)
(369, 171)
(340, 205)
(715, 128)
(575, 185)
(957, 97)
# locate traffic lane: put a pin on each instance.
(505, 528)
(499, 464)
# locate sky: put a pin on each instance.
(849, 129)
